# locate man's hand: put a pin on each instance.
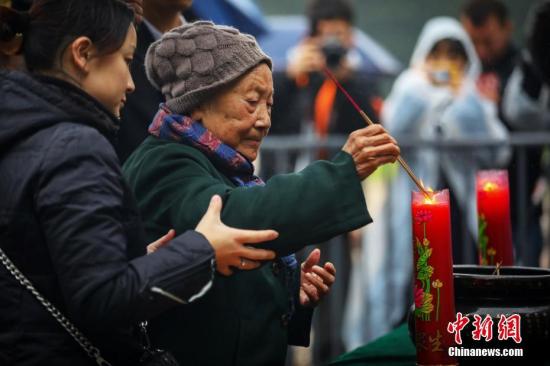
(306, 58)
(488, 86)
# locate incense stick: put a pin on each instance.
(370, 123)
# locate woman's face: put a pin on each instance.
(241, 116)
(108, 76)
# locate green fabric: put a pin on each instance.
(393, 349)
(238, 322)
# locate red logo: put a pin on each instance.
(457, 326)
(508, 327)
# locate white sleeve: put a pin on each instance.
(471, 115)
(405, 109)
(521, 111)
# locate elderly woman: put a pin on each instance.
(219, 90)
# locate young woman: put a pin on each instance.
(66, 214)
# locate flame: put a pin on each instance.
(489, 186)
(430, 199)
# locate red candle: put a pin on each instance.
(493, 208)
(433, 284)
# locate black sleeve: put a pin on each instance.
(532, 81)
(79, 203)
(299, 327)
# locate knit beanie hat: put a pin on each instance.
(191, 62)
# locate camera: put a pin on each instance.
(440, 77)
(334, 51)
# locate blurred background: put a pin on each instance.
(396, 24)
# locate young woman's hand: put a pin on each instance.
(232, 245)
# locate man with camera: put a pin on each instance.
(312, 104)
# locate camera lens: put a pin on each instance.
(441, 76)
(334, 51)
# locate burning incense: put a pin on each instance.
(369, 122)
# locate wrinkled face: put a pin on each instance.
(108, 76)
(490, 39)
(240, 116)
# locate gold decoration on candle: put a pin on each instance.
(437, 284)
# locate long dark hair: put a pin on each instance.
(51, 25)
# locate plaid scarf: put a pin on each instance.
(236, 167)
(183, 129)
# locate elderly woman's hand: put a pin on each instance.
(162, 241)
(371, 147)
(315, 281)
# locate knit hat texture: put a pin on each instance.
(190, 63)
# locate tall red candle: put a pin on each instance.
(493, 208)
(433, 284)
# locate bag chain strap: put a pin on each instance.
(92, 351)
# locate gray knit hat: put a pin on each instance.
(189, 63)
